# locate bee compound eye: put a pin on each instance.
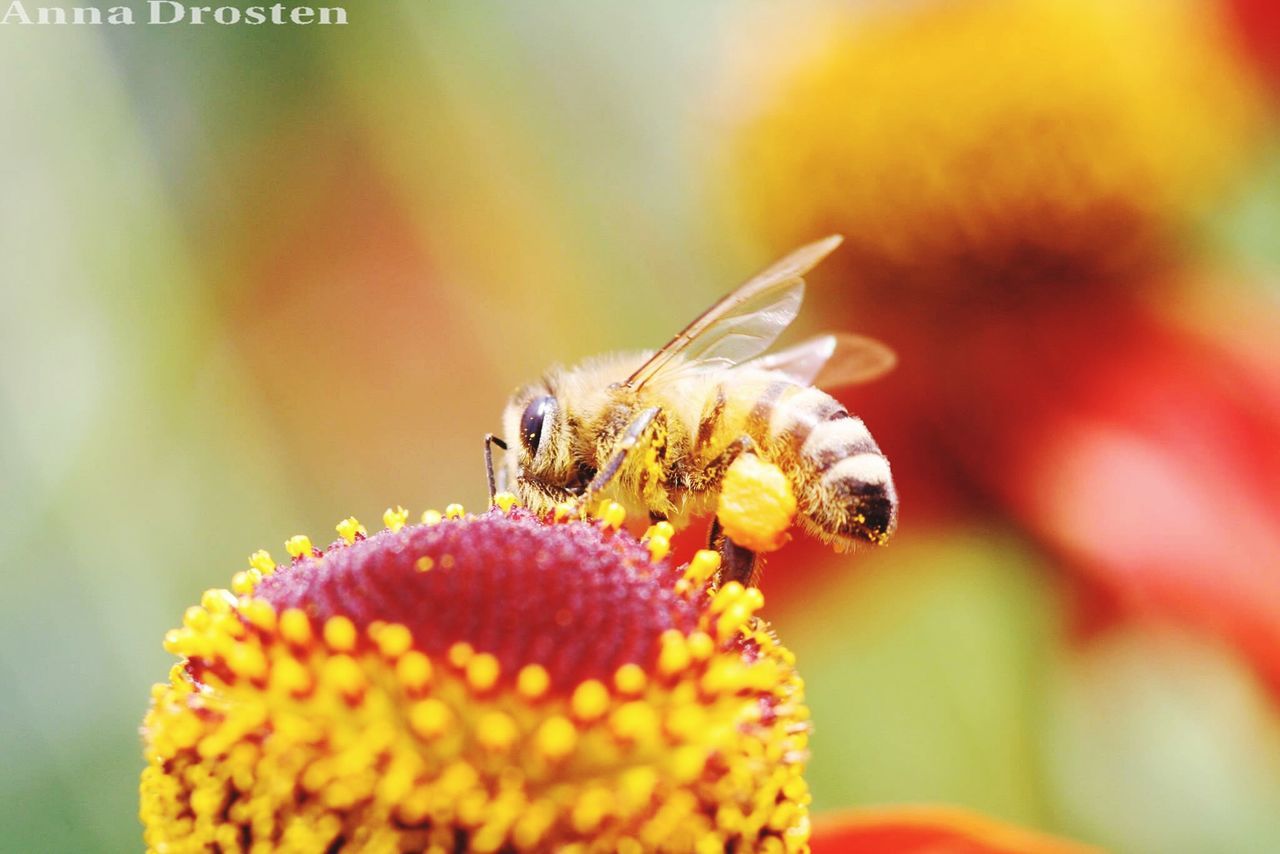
(534, 418)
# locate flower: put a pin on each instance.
(488, 682)
(971, 147)
(924, 829)
(1015, 180)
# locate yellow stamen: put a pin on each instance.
(394, 518)
(349, 528)
(299, 545)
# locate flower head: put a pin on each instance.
(980, 147)
(490, 682)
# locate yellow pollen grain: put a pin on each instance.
(673, 656)
(218, 601)
(431, 517)
(290, 676)
(504, 501)
(394, 518)
(340, 633)
(701, 646)
(688, 762)
(261, 561)
(612, 514)
(532, 681)
(349, 528)
(247, 660)
(414, 670)
(727, 595)
(393, 640)
(590, 700)
(702, 567)
(295, 627)
(732, 621)
(195, 618)
(659, 547)
(454, 511)
(686, 722)
(260, 613)
(634, 721)
(556, 737)
(591, 809)
(482, 671)
(496, 731)
(299, 545)
(460, 653)
(660, 529)
(425, 563)
(565, 510)
(630, 679)
(242, 583)
(341, 673)
(430, 718)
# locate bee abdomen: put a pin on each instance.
(848, 491)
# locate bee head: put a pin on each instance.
(538, 447)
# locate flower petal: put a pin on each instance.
(932, 829)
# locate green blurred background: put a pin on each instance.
(258, 279)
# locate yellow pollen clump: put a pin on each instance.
(460, 653)
(533, 681)
(482, 671)
(394, 518)
(496, 731)
(295, 627)
(393, 640)
(590, 700)
(454, 511)
(556, 738)
(340, 633)
(350, 528)
(659, 547)
(612, 514)
(299, 545)
(756, 504)
(414, 670)
(504, 501)
(261, 561)
(429, 718)
(630, 679)
(431, 517)
(300, 729)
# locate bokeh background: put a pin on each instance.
(258, 279)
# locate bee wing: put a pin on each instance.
(742, 324)
(831, 361)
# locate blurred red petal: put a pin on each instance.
(1258, 28)
(931, 829)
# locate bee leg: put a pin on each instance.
(630, 439)
(489, 441)
(736, 563)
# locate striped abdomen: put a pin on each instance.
(841, 478)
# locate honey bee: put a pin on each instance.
(657, 430)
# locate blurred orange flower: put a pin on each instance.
(1015, 179)
(930, 830)
(973, 147)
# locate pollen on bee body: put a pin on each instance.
(756, 504)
